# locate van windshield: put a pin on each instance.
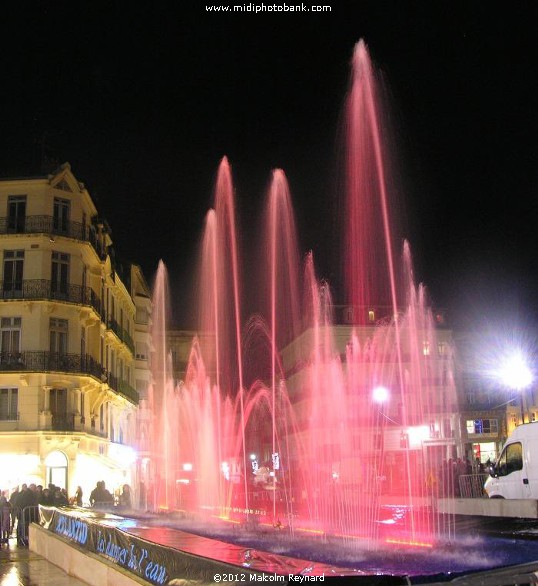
(510, 460)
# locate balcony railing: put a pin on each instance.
(44, 361)
(53, 226)
(123, 388)
(122, 334)
(63, 422)
(126, 337)
(42, 289)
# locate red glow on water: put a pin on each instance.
(357, 537)
(408, 543)
(312, 531)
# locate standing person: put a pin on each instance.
(27, 504)
(95, 494)
(5, 518)
(125, 497)
(13, 501)
(108, 499)
(100, 496)
(46, 498)
(78, 496)
(60, 498)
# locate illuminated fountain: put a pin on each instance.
(325, 420)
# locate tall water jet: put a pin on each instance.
(344, 417)
(284, 289)
(163, 429)
(370, 272)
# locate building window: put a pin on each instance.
(371, 315)
(58, 335)
(10, 340)
(61, 215)
(16, 213)
(426, 348)
(61, 420)
(142, 351)
(59, 275)
(480, 426)
(13, 271)
(142, 315)
(9, 404)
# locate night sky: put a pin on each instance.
(143, 101)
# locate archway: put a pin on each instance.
(56, 463)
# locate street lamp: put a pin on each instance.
(515, 375)
(380, 394)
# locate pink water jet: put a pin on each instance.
(295, 384)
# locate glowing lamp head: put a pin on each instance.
(380, 394)
(514, 372)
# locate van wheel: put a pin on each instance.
(497, 496)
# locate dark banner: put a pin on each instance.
(155, 563)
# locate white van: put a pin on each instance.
(515, 473)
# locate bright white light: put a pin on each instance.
(252, 456)
(514, 372)
(187, 467)
(417, 435)
(380, 394)
(225, 467)
(122, 455)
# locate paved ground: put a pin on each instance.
(21, 567)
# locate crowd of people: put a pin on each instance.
(446, 482)
(20, 508)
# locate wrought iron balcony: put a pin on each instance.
(45, 361)
(53, 226)
(42, 289)
(122, 334)
(123, 388)
(63, 422)
(126, 337)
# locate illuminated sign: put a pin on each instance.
(147, 560)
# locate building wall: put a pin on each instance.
(75, 386)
